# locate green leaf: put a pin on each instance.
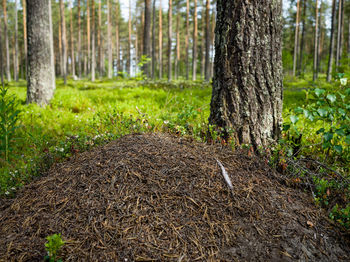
(331, 98)
(338, 149)
(308, 115)
(347, 139)
(326, 145)
(347, 91)
(321, 130)
(319, 91)
(294, 119)
(322, 112)
(340, 132)
(298, 110)
(328, 136)
(286, 127)
(341, 111)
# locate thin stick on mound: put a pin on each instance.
(224, 173)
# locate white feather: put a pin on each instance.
(224, 173)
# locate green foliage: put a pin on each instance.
(341, 215)
(54, 244)
(9, 116)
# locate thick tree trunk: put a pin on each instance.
(25, 34)
(93, 55)
(195, 34)
(41, 73)
(160, 41)
(79, 41)
(72, 41)
(316, 43)
(247, 87)
(187, 39)
(207, 41)
(7, 48)
(332, 42)
(109, 39)
(170, 34)
(147, 36)
(64, 47)
(154, 40)
(15, 61)
(296, 39)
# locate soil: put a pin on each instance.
(157, 197)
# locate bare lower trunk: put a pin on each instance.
(117, 43)
(154, 40)
(195, 34)
(177, 56)
(79, 41)
(64, 47)
(244, 101)
(25, 35)
(296, 39)
(128, 64)
(160, 41)
(15, 61)
(41, 73)
(332, 42)
(88, 37)
(170, 33)
(147, 36)
(109, 39)
(99, 39)
(93, 55)
(187, 39)
(337, 62)
(207, 41)
(316, 43)
(1, 59)
(72, 42)
(301, 55)
(7, 48)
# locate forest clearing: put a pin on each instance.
(173, 130)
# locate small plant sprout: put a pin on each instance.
(52, 247)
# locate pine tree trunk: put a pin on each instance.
(128, 64)
(41, 72)
(147, 36)
(244, 101)
(109, 39)
(7, 48)
(72, 42)
(341, 32)
(320, 42)
(153, 40)
(207, 41)
(177, 56)
(301, 55)
(79, 41)
(212, 44)
(63, 39)
(170, 34)
(160, 41)
(316, 44)
(332, 42)
(88, 37)
(296, 39)
(337, 62)
(117, 42)
(187, 39)
(1, 59)
(202, 50)
(99, 39)
(15, 61)
(60, 48)
(25, 34)
(93, 54)
(195, 34)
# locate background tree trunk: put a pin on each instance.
(248, 102)
(177, 56)
(25, 35)
(195, 34)
(147, 36)
(1, 59)
(41, 73)
(72, 41)
(117, 41)
(332, 42)
(207, 41)
(170, 34)
(296, 39)
(63, 39)
(154, 40)
(160, 41)
(316, 43)
(187, 39)
(128, 65)
(99, 40)
(15, 61)
(93, 55)
(337, 62)
(88, 37)
(7, 49)
(109, 39)
(79, 41)
(302, 41)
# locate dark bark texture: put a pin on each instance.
(147, 36)
(247, 87)
(41, 73)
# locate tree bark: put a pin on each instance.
(207, 41)
(341, 31)
(25, 35)
(117, 41)
(1, 59)
(128, 64)
(332, 42)
(187, 39)
(99, 39)
(301, 55)
(337, 62)
(296, 39)
(177, 56)
(247, 85)
(160, 41)
(212, 44)
(15, 61)
(41, 72)
(195, 34)
(170, 34)
(93, 55)
(154, 40)
(109, 39)
(88, 36)
(147, 36)
(316, 44)
(63, 39)
(72, 41)
(79, 41)
(7, 49)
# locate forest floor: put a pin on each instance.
(159, 197)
